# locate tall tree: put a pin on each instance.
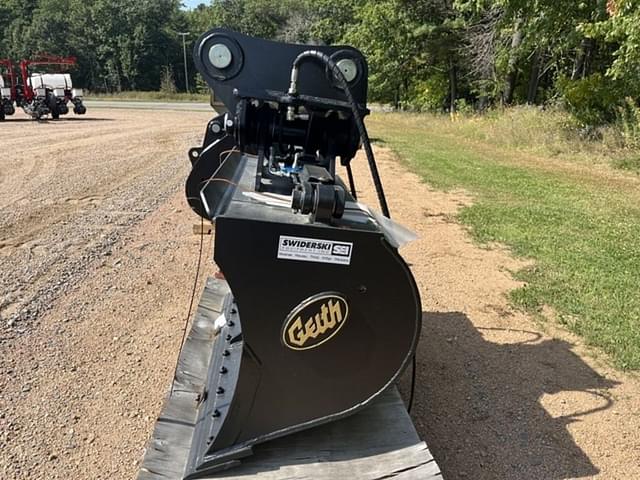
(622, 31)
(385, 33)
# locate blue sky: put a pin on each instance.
(193, 3)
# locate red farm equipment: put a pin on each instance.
(48, 93)
(7, 89)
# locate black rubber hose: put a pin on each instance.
(414, 368)
(352, 184)
(364, 136)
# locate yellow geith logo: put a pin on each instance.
(315, 321)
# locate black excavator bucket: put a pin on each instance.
(323, 314)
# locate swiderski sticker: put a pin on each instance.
(314, 250)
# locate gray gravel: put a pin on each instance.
(69, 207)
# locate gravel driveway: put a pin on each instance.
(97, 257)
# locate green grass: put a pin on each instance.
(151, 97)
(576, 216)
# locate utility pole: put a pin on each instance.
(184, 52)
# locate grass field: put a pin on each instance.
(151, 97)
(555, 200)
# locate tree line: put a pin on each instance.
(441, 55)
(119, 44)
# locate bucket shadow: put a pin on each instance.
(478, 403)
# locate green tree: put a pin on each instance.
(621, 30)
(384, 31)
(422, 53)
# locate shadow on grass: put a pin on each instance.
(478, 406)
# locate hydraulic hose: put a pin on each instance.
(352, 184)
(364, 136)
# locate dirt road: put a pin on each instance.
(97, 258)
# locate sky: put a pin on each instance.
(193, 3)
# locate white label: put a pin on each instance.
(314, 250)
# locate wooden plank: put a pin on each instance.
(378, 442)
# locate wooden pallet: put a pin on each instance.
(378, 442)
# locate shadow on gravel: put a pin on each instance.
(62, 120)
(85, 119)
(478, 406)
